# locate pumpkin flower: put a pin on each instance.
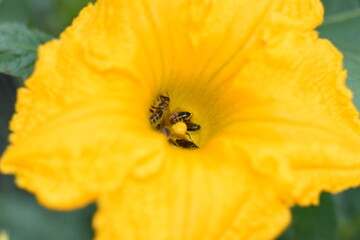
(277, 125)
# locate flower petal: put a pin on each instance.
(308, 119)
(298, 14)
(192, 199)
(191, 45)
(204, 40)
(71, 158)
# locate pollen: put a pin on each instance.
(179, 128)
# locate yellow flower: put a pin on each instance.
(277, 122)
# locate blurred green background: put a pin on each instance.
(338, 216)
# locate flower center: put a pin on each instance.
(175, 125)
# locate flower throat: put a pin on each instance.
(174, 125)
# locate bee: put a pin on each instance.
(184, 117)
(179, 116)
(177, 135)
(158, 111)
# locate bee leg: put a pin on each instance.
(189, 136)
(160, 125)
(157, 108)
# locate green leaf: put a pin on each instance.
(341, 26)
(334, 7)
(24, 219)
(70, 8)
(347, 210)
(313, 222)
(18, 48)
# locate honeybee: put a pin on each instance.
(158, 111)
(179, 116)
(177, 135)
(184, 117)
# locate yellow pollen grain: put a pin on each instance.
(179, 128)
